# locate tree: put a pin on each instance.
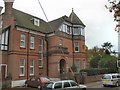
(108, 62)
(94, 61)
(107, 47)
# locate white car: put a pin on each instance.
(111, 79)
(64, 84)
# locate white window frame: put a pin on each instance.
(32, 42)
(32, 67)
(4, 40)
(22, 40)
(22, 67)
(76, 45)
(82, 32)
(36, 22)
(76, 31)
(40, 53)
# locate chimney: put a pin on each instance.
(8, 12)
(1, 9)
(8, 6)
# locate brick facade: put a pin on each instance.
(56, 56)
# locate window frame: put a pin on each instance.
(76, 46)
(31, 74)
(22, 41)
(22, 66)
(4, 39)
(32, 42)
(36, 22)
(40, 53)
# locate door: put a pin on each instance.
(62, 66)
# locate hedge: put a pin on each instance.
(98, 71)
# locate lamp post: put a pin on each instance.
(115, 7)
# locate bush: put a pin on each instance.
(98, 71)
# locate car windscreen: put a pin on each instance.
(48, 85)
(106, 77)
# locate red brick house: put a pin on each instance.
(31, 46)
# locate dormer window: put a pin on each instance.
(36, 22)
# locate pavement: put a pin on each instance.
(94, 84)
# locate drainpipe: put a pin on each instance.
(47, 57)
(28, 43)
(73, 46)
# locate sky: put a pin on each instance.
(99, 21)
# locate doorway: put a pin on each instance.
(62, 66)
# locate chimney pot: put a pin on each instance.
(8, 0)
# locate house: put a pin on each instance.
(31, 46)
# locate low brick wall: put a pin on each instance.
(87, 79)
(95, 78)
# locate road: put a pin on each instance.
(98, 86)
(90, 86)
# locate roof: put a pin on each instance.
(25, 20)
(55, 24)
(73, 18)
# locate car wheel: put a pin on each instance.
(26, 85)
(39, 87)
(104, 85)
(117, 84)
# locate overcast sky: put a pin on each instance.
(99, 21)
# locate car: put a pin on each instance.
(111, 79)
(63, 85)
(36, 82)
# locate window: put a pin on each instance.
(76, 46)
(73, 84)
(69, 30)
(77, 64)
(76, 31)
(66, 84)
(60, 42)
(36, 22)
(22, 41)
(22, 67)
(82, 32)
(58, 85)
(40, 53)
(31, 67)
(31, 42)
(64, 28)
(4, 42)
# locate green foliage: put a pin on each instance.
(102, 59)
(98, 71)
(108, 62)
(94, 61)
